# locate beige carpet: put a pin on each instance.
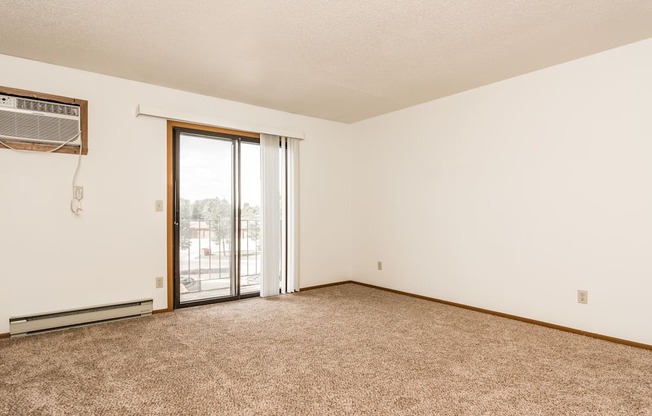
(340, 350)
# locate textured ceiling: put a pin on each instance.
(334, 59)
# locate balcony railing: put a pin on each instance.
(205, 254)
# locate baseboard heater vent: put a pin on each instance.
(32, 324)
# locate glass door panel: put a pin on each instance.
(205, 186)
(250, 218)
(217, 179)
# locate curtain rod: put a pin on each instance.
(174, 115)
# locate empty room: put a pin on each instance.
(326, 207)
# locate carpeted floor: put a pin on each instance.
(345, 349)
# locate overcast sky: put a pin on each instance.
(206, 169)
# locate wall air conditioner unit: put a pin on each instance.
(39, 121)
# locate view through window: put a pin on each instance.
(218, 243)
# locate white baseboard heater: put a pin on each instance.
(32, 324)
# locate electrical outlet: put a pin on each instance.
(380, 265)
(159, 282)
(583, 296)
(159, 205)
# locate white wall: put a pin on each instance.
(513, 196)
(52, 260)
(508, 197)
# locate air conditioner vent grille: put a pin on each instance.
(47, 107)
(37, 127)
(7, 124)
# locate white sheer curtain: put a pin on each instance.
(279, 161)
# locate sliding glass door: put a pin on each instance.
(217, 217)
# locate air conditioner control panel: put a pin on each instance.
(7, 101)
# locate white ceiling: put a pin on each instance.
(334, 59)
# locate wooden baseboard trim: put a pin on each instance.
(3, 335)
(162, 310)
(326, 285)
(515, 317)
